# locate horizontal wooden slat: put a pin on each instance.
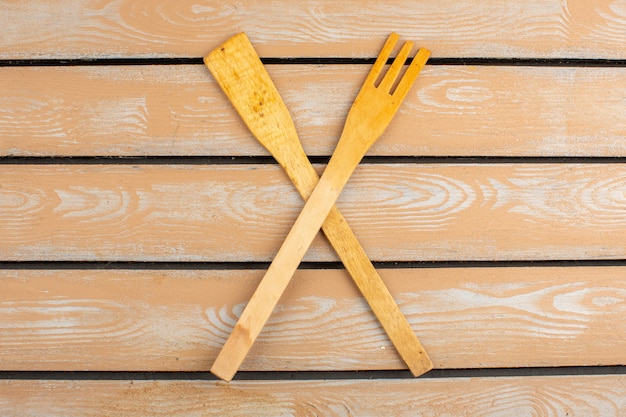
(549, 396)
(539, 28)
(167, 320)
(179, 110)
(241, 213)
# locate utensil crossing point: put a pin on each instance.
(245, 81)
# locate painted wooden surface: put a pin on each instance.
(179, 110)
(241, 213)
(538, 28)
(230, 215)
(167, 320)
(553, 396)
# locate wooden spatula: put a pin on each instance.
(371, 113)
(240, 73)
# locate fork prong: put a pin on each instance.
(411, 74)
(397, 64)
(383, 56)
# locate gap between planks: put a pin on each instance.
(220, 266)
(314, 375)
(316, 160)
(474, 61)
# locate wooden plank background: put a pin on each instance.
(137, 213)
(179, 110)
(241, 213)
(165, 320)
(545, 396)
(538, 28)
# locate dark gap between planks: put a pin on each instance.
(262, 159)
(233, 266)
(313, 375)
(533, 62)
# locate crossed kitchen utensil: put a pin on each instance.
(242, 76)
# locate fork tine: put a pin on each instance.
(383, 56)
(396, 66)
(411, 74)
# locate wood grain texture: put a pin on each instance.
(167, 320)
(179, 110)
(241, 213)
(176, 320)
(549, 396)
(118, 28)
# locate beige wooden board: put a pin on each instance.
(520, 28)
(549, 396)
(177, 320)
(166, 320)
(240, 213)
(179, 110)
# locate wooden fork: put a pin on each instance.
(372, 111)
(243, 78)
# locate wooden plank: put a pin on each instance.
(550, 396)
(179, 110)
(123, 28)
(169, 320)
(241, 213)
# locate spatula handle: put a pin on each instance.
(264, 300)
